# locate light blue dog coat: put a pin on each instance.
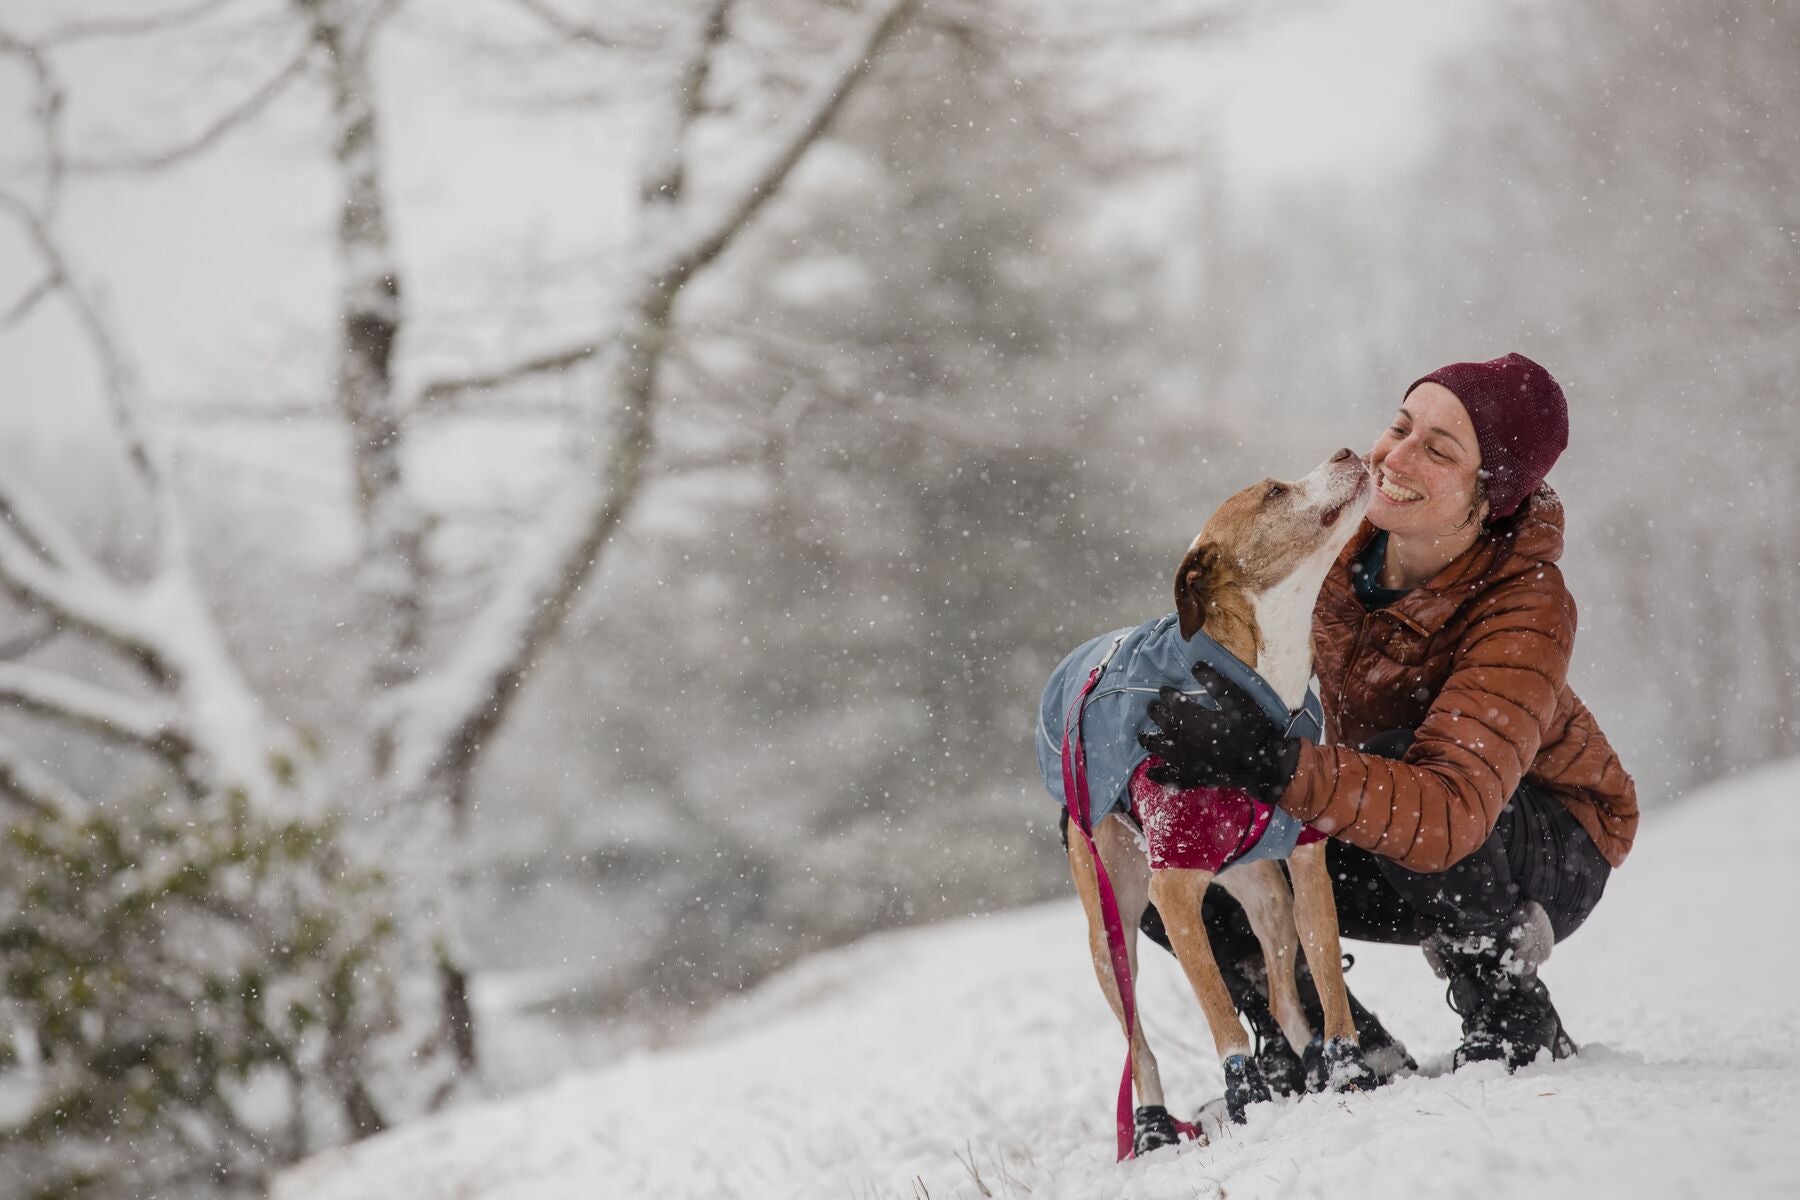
(1137, 664)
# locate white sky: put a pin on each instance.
(1343, 89)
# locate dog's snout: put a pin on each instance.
(1342, 455)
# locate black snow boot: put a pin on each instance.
(1494, 987)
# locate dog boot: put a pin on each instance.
(1274, 1057)
(1155, 1128)
(1338, 1065)
(1345, 1067)
(1280, 1067)
(1381, 1051)
(1244, 1086)
(1312, 1061)
(1494, 987)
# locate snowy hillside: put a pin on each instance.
(977, 1059)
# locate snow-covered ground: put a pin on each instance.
(976, 1059)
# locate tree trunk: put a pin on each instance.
(393, 575)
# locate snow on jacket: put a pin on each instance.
(1138, 663)
(1476, 661)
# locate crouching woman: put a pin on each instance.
(1475, 808)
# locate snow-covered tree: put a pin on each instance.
(430, 706)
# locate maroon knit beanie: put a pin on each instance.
(1520, 419)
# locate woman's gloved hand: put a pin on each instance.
(1233, 745)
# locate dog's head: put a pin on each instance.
(1272, 533)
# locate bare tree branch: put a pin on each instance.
(148, 724)
(211, 728)
(810, 382)
(440, 392)
(23, 306)
(379, 13)
(717, 460)
(205, 721)
(663, 181)
(1099, 23)
(20, 644)
(49, 119)
(790, 354)
(660, 190)
(97, 608)
(28, 785)
(234, 117)
(43, 531)
(42, 565)
(120, 383)
(131, 26)
(443, 719)
(568, 28)
(223, 412)
(181, 411)
(664, 184)
(817, 113)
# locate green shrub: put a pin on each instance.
(195, 994)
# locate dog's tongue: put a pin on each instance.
(1331, 516)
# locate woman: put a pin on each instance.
(1474, 806)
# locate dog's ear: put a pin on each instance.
(1193, 583)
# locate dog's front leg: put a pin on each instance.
(1122, 853)
(1316, 921)
(1178, 894)
(1341, 1064)
(1267, 902)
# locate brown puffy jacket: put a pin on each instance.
(1477, 662)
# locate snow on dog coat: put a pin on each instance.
(1136, 664)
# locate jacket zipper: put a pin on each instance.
(1362, 627)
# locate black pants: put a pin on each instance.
(1538, 851)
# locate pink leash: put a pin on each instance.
(1075, 795)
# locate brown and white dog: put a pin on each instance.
(1249, 580)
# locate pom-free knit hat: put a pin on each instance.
(1521, 422)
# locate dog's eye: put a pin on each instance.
(1276, 491)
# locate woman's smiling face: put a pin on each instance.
(1425, 466)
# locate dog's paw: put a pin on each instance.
(1155, 1128)
(1281, 1068)
(1244, 1086)
(1312, 1062)
(1345, 1068)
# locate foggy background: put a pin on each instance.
(366, 456)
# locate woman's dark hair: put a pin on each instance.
(1478, 499)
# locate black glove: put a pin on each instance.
(1233, 745)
